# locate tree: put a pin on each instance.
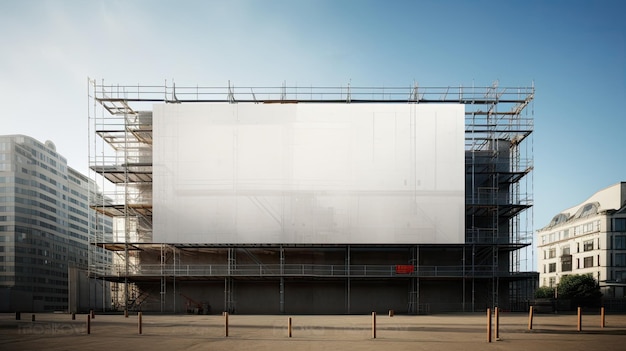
(581, 289)
(544, 292)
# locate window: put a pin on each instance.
(565, 251)
(590, 227)
(587, 210)
(552, 267)
(620, 260)
(588, 245)
(620, 242)
(619, 225)
(552, 253)
(588, 262)
(566, 263)
(552, 282)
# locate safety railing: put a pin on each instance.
(304, 270)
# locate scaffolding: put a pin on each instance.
(498, 165)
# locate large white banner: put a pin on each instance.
(308, 173)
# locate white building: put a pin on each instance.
(589, 238)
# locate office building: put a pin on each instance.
(45, 226)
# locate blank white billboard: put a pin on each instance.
(308, 173)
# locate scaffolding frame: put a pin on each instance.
(498, 126)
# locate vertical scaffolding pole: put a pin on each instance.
(348, 283)
(282, 280)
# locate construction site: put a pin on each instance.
(267, 246)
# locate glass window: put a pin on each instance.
(588, 262)
(552, 267)
(620, 260)
(566, 263)
(619, 225)
(620, 242)
(588, 245)
(552, 253)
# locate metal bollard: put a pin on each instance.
(373, 325)
(530, 318)
(497, 323)
(18, 316)
(489, 325)
(602, 319)
(289, 327)
(225, 323)
(139, 323)
(580, 319)
(88, 324)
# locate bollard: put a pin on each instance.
(602, 320)
(18, 316)
(88, 324)
(93, 314)
(226, 324)
(139, 323)
(580, 319)
(497, 323)
(289, 327)
(489, 325)
(390, 313)
(125, 313)
(530, 318)
(73, 316)
(373, 325)
(33, 318)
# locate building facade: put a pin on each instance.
(249, 245)
(589, 238)
(45, 223)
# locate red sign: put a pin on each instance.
(404, 268)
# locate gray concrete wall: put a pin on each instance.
(315, 297)
(257, 297)
(18, 301)
(379, 296)
(85, 294)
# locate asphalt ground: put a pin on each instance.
(467, 331)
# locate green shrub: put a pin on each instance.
(544, 292)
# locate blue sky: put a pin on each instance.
(573, 51)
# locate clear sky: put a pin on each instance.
(573, 51)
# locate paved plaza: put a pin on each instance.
(466, 331)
